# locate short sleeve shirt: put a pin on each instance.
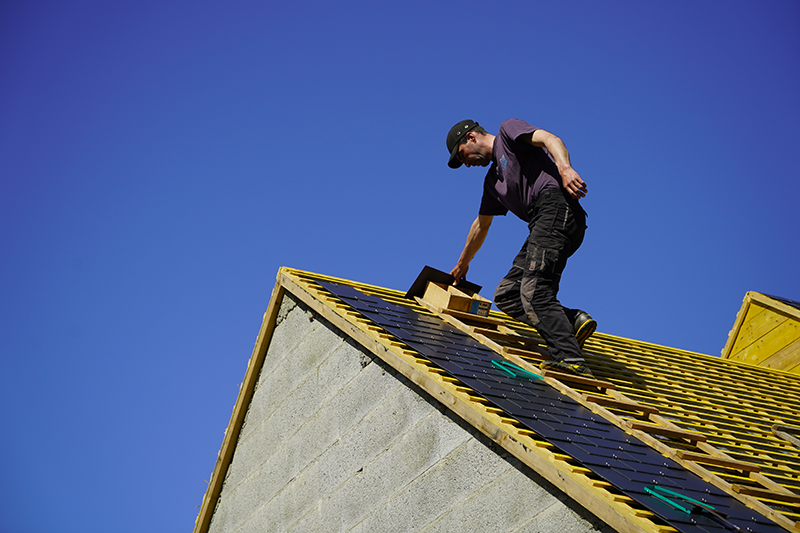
(519, 172)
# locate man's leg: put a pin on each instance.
(507, 295)
(556, 232)
(508, 298)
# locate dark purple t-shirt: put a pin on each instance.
(519, 172)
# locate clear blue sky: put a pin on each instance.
(159, 162)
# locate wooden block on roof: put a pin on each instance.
(437, 289)
(449, 297)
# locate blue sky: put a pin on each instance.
(159, 161)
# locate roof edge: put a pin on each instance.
(246, 389)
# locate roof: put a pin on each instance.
(655, 416)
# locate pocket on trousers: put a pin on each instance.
(542, 261)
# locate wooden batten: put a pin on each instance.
(767, 494)
(718, 461)
(666, 432)
(620, 404)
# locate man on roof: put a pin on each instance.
(530, 175)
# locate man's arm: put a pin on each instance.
(572, 181)
(475, 238)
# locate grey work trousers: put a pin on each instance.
(529, 291)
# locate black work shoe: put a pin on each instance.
(584, 325)
(579, 369)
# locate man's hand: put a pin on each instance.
(569, 178)
(573, 183)
(459, 272)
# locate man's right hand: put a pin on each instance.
(459, 272)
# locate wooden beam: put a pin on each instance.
(611, 402)
(538, 355)
(470, 317)
(787, 433)
(666, 432)
(719, 461)
(766, 494)
(573, 378)
(496, 335)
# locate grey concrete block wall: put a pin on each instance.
(335, 440)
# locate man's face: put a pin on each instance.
(471, 154)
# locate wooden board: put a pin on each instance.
(611, 402)
(573, 378)
(667, 432)
(766, 494)
(709, 460)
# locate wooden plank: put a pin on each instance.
(757, 321)
(666, 432)
(783, 335)
(767, 494)
(539, 355)
(573, 378)
(787, 433)
(784, 359)
(631, 406)
(470, 317)
(496, 335)
(775, 305)
(719, 461)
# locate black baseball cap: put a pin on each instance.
(454, 137)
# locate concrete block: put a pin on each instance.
(408, 457)
(459, 474)
(301, 363)
(292, 496)
(504, 504)
(295, 434)
(560, 518)
(296, 323)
